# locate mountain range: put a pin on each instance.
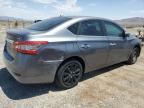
(133, 20)
(6, 18)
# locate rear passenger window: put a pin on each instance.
(90, 28)
(113, 30)
(74, 28)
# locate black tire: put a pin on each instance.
(133, 57)
(69, 74)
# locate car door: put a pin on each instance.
(92, 43)
(118, 44)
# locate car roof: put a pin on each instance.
(92, 17)
(89, 17)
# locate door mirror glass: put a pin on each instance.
(127, 34)
(123, 34)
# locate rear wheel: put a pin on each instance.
(69, 74)
(133, 57)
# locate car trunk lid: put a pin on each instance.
(16, 35)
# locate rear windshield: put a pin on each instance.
(48, 23)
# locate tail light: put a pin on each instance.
(28, 47)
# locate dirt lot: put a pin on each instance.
(118, 86)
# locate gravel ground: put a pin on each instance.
(118, 86)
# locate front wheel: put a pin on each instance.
(69, 74)
(133, 57)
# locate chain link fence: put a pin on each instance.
(5, 25)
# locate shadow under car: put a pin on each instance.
(16, 91)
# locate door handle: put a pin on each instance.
(85, 46)
(113, 44)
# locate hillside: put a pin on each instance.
(135, 21)
(6, 18)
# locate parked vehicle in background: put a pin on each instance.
(62, 49)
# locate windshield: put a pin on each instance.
(48, 23)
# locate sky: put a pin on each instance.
(42, 9)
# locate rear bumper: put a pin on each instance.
(28, 70)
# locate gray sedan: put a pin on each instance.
(62, 49)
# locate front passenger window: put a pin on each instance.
(113, 30)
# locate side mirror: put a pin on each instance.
(124, 34)
(127, 34)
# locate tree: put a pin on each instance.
(16, 24)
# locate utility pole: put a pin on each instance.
(8, 23)
(23, 23)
